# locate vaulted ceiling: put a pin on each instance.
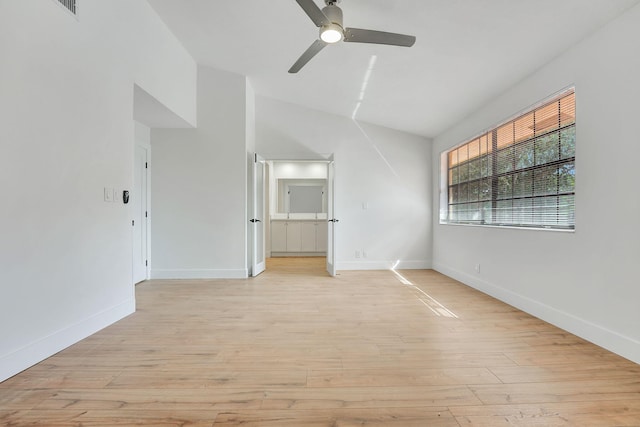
(466, 53)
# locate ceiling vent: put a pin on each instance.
(70, 5)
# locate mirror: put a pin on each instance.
(305, 198)
(302, 196)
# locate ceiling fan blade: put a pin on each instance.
(314, 12)
(358, 35)
(312, 51)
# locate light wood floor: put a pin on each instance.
(294, 347)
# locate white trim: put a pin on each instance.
(148, 209)
(622, 345)
(384, 265)
(297, 254)
(146, 145)
(240, 273)
(37, 351)
(513, 227)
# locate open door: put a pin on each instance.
(257, 218)
(331, 218)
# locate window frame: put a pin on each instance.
(487, 157)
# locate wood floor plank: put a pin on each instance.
(369, 397)
(567, 372)
(96, 418)
(543, 392)
(579, 414)
(405, 417)
(295, 347)
(399, 377)
(178, 378)
(153, 400)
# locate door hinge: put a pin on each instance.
(146, 214)
(146, 263)
(133, 222)
(146, 165)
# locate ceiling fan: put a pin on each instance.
(329, 20)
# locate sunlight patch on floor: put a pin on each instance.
(426, 299)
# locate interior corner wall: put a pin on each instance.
(67, 133)
(199, 192)
(584, 282)
(383, 182)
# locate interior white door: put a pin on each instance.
(138, 199)
(331, 217)
(257, 217)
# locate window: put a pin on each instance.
(521, 173)
(70, 5)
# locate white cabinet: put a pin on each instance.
(293, 237)
(321, 236)
(308, 236)
(278, 236)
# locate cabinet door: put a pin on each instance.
(321, 236)
(294, 236)
(278, 236)
(308, 234)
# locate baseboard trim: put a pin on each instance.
(384, 265)
(200, 274)
(297, 254)
(17, 361)
(620, 344)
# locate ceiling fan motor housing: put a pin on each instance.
(334, 13)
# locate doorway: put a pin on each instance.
(139, 199)
(296, 224)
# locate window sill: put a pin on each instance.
(510, 227)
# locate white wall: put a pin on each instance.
(388, 170)
(291, 170)
(299, 170)
(584, 282)
(66, 132)
(199, 193)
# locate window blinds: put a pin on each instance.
(521, 173)
(69, 5)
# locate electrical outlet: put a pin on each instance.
(477, 268)
(364, 254)
(357, 254)
(116, 196)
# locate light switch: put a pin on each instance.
(108, 194)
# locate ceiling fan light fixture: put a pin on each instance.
(331, 33)
(329, 21)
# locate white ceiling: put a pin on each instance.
(466, 53)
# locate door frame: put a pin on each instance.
(326, 158)
(146, 146)
(257, 220)
(332, 221)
